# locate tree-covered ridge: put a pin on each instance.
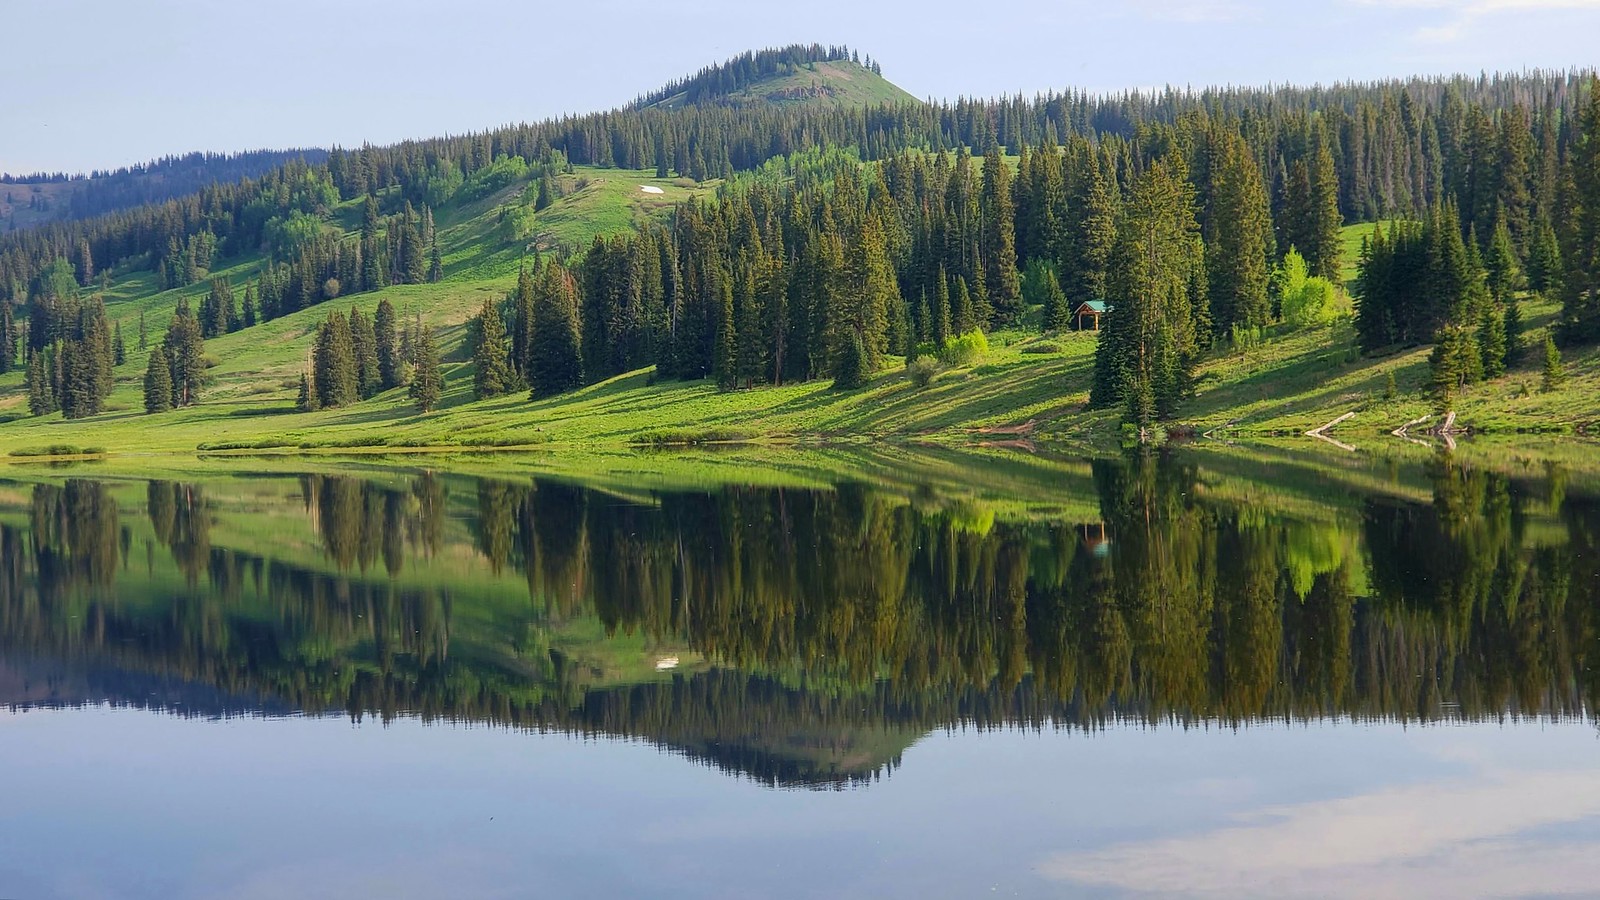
(64, 196)
(828, 616)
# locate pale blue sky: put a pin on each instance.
(102, 83)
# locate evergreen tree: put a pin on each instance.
(725, 366)
(1492, 341)
(185, 352)
(8, 337)
(427, 383)
(306, 400)
(334, 372)
(364, 344)
(1515, 347)
(1324, 244)
(1504, 273)
(119, 347)
(1456, 361)
(492, 374)
(1544, 259)
(555, 358)
(413, 252)
(383, 332)
(1554, 375)
(1580, 250)
(247, 314)
(158, 382)
(522, 322)
(41, 383)
(144, 336)
(999, 240)
(1147, 349)
(1239, 239)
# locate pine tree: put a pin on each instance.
(1492, 343)
(1147, 349)
(158, 382)
(144, 336)
(492, 374)
(413, 253)
(306, 401)
(364, 344)
(1505, 274)
(427, 383)
(41, 383)
(1324, 220)
(334, 372)
(1515, 348)
(1455, 361)
(8, 337)
(1544, 259)
(725, 365)
(555, 357)
(185, 352)
(999, 240)
(383, 332)
(119, 347)
(1580, 250)
(248, 312)
(522, 322)
(1554, 375)
(1239, 240)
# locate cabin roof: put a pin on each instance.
(1094, 306)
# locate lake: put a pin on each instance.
(930, 674)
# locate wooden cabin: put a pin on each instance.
(1087, 315)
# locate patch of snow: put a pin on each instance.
(651, 189)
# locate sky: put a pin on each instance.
(88, 84)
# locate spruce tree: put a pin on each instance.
(119, 347)
(158, 382)
(334, 372)
(364, 344)
(1544, 259)
(1492, 343)
(522, 322)
(1325, 245)
(1239, 240)
(492, 374)
(41, 383)
(1500, 262)
(247, 314)
(306, 400)
(1580, 250)
(8, 337)
(427, 382)
(1147, 347)
(1554, 375)
(999, 240)
(185, 352)
(383, 332)
(555, 359)
(1515, 348)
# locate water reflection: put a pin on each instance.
(801, 637)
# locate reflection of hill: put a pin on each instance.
(822, 631)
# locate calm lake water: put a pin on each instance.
(1167, 675)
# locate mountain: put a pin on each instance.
(791, 75)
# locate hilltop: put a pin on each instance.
(832, 76)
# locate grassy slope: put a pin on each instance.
(1295, 381)
(845, 83)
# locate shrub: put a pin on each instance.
(921, 370)
(1043, 347)
(965, 350)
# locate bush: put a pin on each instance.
(964, 350)
(921, 370)
(1043, 347)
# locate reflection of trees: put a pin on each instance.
(846, 620)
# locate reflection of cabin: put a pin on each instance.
(1094, 537)
(1087, 315)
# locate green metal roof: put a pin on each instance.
(1095, 306)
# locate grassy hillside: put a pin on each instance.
(840, 83)
(1027, 390)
